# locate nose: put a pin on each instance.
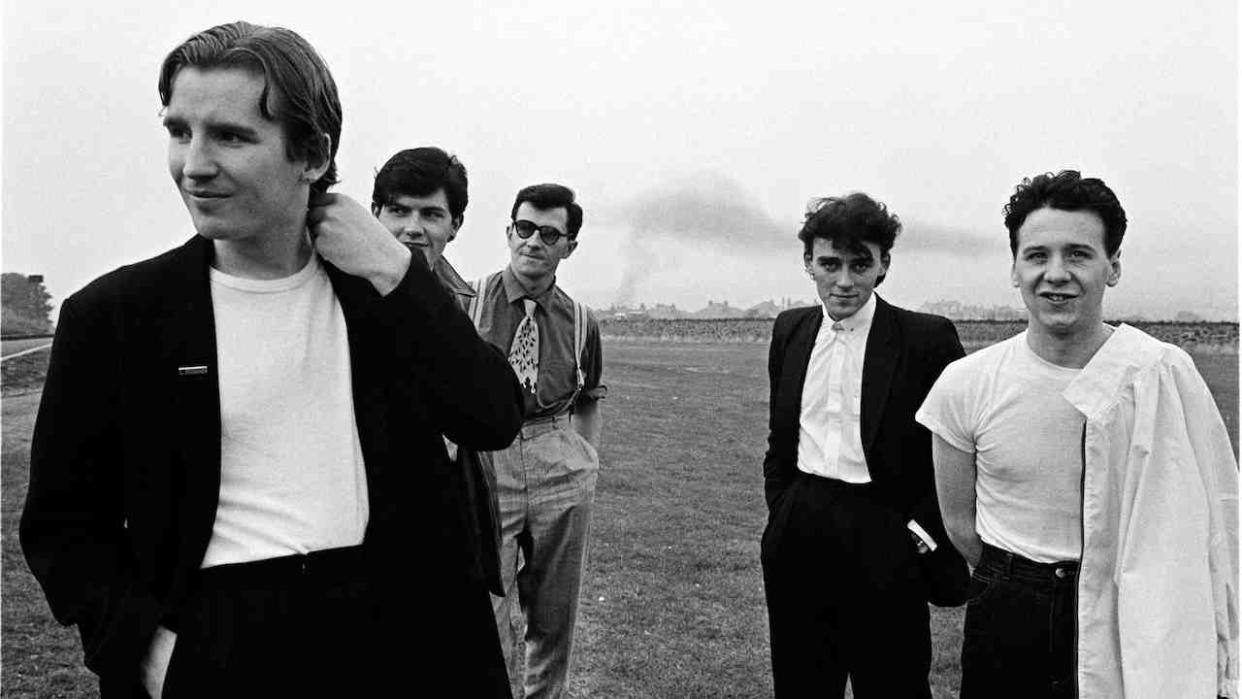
(843, 279)
(199, 162)
(1056, 270)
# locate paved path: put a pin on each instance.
(25, 352)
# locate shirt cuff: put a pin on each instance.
(922, 534)
(594, 393)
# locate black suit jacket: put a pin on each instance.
(125, 458)
(905, 353)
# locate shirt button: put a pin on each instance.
(1061, 572)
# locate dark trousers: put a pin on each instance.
(845, 596)
(1020, 629)
(321, 626)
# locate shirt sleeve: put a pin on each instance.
(593, 387)
(945, 410)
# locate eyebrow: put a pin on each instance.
(1045, 248)
(841, 258)
(174, 120)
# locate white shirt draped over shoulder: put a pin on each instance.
(1158, 597)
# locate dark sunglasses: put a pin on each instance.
(548, 234)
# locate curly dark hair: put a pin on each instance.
(848, 222)
(298, 90)
(419, 172)
(1067, 190)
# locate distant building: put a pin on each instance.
(956, 310)
(719, 310)
(1187, 317)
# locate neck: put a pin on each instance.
(534, 286)
(271, 257)
(1071, 350)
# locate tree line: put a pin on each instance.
(25, 306)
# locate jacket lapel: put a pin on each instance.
(879, 362)
(188, 338)
(355, 297)
(797, 356)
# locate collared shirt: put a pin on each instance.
(453, 282)
(829, 430)
(502, 311)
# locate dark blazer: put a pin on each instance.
(906, 351)
(125, 458)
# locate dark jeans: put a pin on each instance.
(1021, 629)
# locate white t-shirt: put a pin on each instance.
(1004, 405)
(292, 478)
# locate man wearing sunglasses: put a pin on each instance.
(545, 480)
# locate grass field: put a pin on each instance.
(673, 603)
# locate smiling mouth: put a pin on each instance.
(205, 195)
(1058, 298)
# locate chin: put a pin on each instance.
(1059, 325)
(217, 230)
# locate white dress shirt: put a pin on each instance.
(829, 429)
(830, 423)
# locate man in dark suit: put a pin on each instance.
(854, 547)
(238, 484)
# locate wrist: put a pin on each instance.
(391, 272)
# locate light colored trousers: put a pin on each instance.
(545, 487)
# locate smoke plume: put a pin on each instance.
(715, 212)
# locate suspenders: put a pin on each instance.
(580, 325)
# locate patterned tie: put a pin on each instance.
(524, 354)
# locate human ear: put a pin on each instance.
(317, 160)
(1114, 271)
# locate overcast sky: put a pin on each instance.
(693, 132)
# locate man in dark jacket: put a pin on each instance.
(239, 485)
(854, 547)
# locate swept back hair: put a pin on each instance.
(298, 90)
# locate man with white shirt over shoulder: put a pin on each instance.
(854, 547)
(1086, 474)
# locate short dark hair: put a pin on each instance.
(848, 222)
(298, 93)
(418, 172)
(1068, 191)
(551, 196)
